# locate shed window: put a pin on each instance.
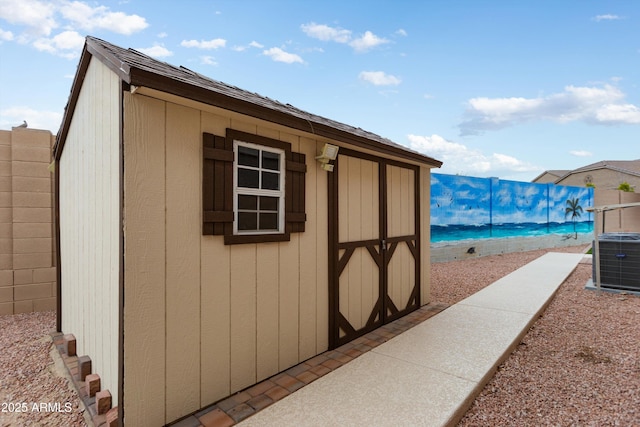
(259, 189)
(253, 188)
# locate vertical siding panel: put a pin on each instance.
(183, 231)
(216, 318)
(102, 161)
(343, 199)
(243, 316)
(115, 185)
(406, 264)
(309, 262)
(289, 289)
(92, 311)
(355, 233)
(322, 252)
(267, 304)
(370, 231)
(144, 275)
(289, 282)
(215, 310)
(394, 210)
(425, 235)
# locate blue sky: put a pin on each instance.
(492, 88)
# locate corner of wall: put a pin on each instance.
(27, 269)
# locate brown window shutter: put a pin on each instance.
(294, 198)
(217, 184)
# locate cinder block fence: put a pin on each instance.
(27, 261)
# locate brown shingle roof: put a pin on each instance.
(138, 69)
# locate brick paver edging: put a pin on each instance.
(245, 403)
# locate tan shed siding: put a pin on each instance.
(425, 235)
(144, 248)
(401, 222)
(89, 224)
(203, 319)
(183, 228)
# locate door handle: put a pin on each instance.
(383, 245)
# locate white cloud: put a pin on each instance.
(6, 35)
(379, 78)
(67, 44)
(618, 113)
(326, 33)
(581, 153)
(208, 60)
(401, 32)
(37, 16)
(204, 44)
(89, 18)
(367, 41)
(39, 19)
(460, 159)
(607, 17)
(254, 44)
(14, 116)
(339, 35)
(156, 51)
(280, 55)
(595, 105)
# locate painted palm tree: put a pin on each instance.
(575, 210)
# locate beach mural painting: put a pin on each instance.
(464, 207)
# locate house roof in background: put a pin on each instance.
(138, 69)
(631, 167)
(556, 172)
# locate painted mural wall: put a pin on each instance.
(464, 207)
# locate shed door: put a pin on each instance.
(374, 249)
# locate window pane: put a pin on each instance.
(270, 181)
(248, 156)
(247, 220)
(247, 202)
(269, 204)
(268, 221)
(248, 178)
(270, 161)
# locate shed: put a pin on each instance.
(204, 247)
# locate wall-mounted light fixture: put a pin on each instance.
(329, 152)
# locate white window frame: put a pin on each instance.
(257, 191)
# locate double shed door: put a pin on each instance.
(374, 244)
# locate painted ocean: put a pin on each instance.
(446, 233)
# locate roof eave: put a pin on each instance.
(144, 78)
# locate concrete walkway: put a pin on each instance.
(429, 375)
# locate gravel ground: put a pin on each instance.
(33, 389)
(578, 366)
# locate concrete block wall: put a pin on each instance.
(27, 261)
(621, 220)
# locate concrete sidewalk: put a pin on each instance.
(429, 375)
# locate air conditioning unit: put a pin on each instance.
(619, 261)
